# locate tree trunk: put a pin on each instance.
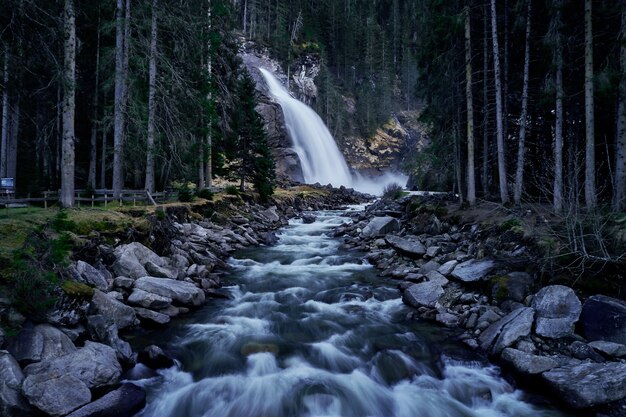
(149, 186)
(519, 173)
(4, 142)
(485, 168)
(14, 123)
(119, 105)
(558, 127)
(471, 182)
(93, 150)
(590, 154)
(69, 106)
(208, 174)
(504, 194)
(103, 158)
(619, 184)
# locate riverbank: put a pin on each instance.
(482, 274)
(142, 269)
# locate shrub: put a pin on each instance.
(205, 193)
(393, 191)
(185, 194)
(232, 190)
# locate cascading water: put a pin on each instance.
(311, 331)
(319, 155)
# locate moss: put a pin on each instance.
(511, 224)
(501, 283)
(77, 290)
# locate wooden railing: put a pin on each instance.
(93, 197)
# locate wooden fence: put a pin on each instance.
(89, 198)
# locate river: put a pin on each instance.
(310, 330)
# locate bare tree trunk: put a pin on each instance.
(208, 174)
(103, 159)
(149, 186)
(122, 30)
(590, 154)
(14, 123)
(519, 173)
(93, 151)
(504, 194)
(558, 127)
(69, 106)
(4, 142)
(471, 181)
(485, 158)
(245, 16)
(619, 184)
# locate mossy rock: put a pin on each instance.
(77, 290)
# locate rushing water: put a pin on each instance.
(320, 158)
(311, 331)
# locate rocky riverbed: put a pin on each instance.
(484, 282)
(72, 361)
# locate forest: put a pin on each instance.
(523, 99)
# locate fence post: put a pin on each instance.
(45, 199)
(105, 200)
(92, 202)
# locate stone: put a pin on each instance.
(515, 286)
(473, 270)
(616, 350)
(152, 316)
(94, 364)
(148, 299)
(447, 319)
(508, 330)
(433, 251)
(125, 401)
(254, 347)
(429, 267)
(179, 291)
(447, 268)
(409, 247)
(526, 363)
(38, 343)
(434, 276)
(131, 258)
(103, 329)
(56, 395)
(604, 318)
(122, 315)
(271, 214)
(557, 309)
(155, 270)
(154, 357)
(581, 350)
(12, 402)
(380, 226)
(423, 294)
(92, 275)
(123, 282)
(308, 218)
(588, 384)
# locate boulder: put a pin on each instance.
(308, 218)
(508, 330)
(56, 394)
(447, 268)
(604, 318)
(433, 251)
(123, 282)
(125, 401)
(179, 291)
(423, 294)
(152, 316)
(148, 300)
(122, 315)
(434, 276)
(447, 319)
(582, 351)
(12, 403)
(103, 329)
(616, 350)
(132, 258)
(153, 357)
(271, 214)
(558, 309)
(474, 270)
(515, 286)
(92, 275)
(429, 267)
(588, 384)
(527, 363)
(409, 247)
(38, 343)
(380, 226)
(155, 270)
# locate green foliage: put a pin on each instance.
(205, 193)
(61, 222)
(393, 191)
(185, 195)
(232, 190)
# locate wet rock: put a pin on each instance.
(103, 329)
(447, 268)
(423, 294)
(433, 251)
(154, 357)
(508, 330)
(588, 384)
(125, 401)
(514, 286)
(473, 270)
(148, 300)
(447, 319)
(308, 218)
(131, 258)
(380, 226)
(429, 267)
(581, 350)
(253, 347)
(38, 343)
(616, 350)
(56, 395)
(410, 247)
(271, 214)
(434, 276)
(151, 316)
(526, 363)
(122, 315)
(558, 309)
(160, 271)
(604, 318)
(123, 282)
(12, 403)
(92, 275)
(179, 291)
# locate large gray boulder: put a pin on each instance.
(150, 300)
(527, 363)
(12, 403)
(409, 247)
(125, 401)
(103, 329)
(474, 270)
(57, 394)
(514, 286)
(588, 384)
(380, 226)
(38, 343)
(151, 317)
(423, 294)
(122, 315)
(508, 330)
(604, 318)
(92, 275)
(558, 309)
(132, 258)
(179, 291)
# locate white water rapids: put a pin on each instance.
(320, 158)
(311, 331)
